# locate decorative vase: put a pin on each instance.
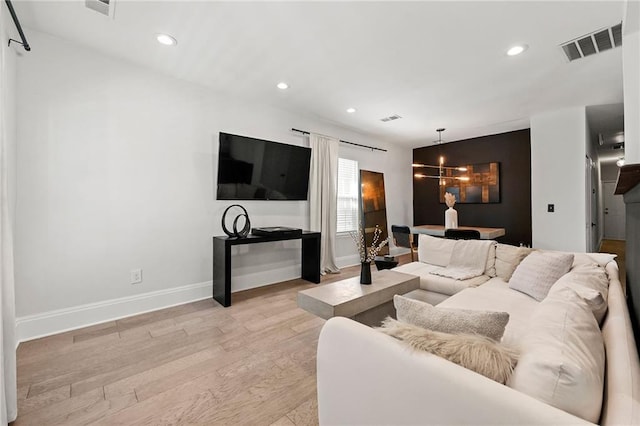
(450, 218)
(365, 273)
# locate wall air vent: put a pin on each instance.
(596, 42)
(104, 7)
(390, 118)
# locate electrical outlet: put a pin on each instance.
(136, 276)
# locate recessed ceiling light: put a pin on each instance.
(516, 50)
(166, 39)
(351, 110)
(282, 85)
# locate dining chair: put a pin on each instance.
(402, 238)
(462, 234)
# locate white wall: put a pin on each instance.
(631, 82)
(117, 168)
(8, 74)
(558, 177)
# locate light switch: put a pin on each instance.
(551, 208)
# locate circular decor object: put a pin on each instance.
(242, 233)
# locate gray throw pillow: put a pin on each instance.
(486, 323)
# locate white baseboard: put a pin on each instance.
(31, 327)
(45, 324)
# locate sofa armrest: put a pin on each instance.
(368, 378)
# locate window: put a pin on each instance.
(347, 195)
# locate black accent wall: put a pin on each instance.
(513, 151)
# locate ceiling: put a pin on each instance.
(435, 64)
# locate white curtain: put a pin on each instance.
(323, 197)
(8, 385)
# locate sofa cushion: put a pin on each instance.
(490, 268)
(477, 353)
(438, 284)
(589, 258)
(434, 250)
(591, 283)
(468, 260)
(539, 271)
(508, 258)
(453, 321)
(562, 357)
(495, 295)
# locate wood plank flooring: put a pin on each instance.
(617, 247)
(253, 363)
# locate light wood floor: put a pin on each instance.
(252, 363)
(617, 247)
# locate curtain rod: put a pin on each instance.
(304, 132)
(24, 42)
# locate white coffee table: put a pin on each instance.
(368, 304)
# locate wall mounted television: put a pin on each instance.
(256, 169)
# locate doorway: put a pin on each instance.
(614, 213)
(591, 208)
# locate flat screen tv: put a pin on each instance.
(255, 169)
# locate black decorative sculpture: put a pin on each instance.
(245, 229)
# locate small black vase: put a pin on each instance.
(365, 273)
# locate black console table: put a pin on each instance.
(222, 260)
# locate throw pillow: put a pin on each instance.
(508, 258)
(562, 360)
(434, 250)
(484, 323)
(476, 353)
(539, 271)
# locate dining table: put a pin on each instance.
(438, 231)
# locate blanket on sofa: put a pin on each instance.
(468, 260)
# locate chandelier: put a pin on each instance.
(442, 169)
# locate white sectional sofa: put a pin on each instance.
(367, 377)
(435, 253)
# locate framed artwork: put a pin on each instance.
(482, 187)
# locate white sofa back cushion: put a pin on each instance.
(508, 258)
(490, 269)
(588, 258)
(437, 251)
(591, 282)
(434, 250)
(562, 357)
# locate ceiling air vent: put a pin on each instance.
(390, 118)
(104, 7)
(596, 42)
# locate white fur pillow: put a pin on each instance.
(539, 271)
(485, 323)
(476, 353)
